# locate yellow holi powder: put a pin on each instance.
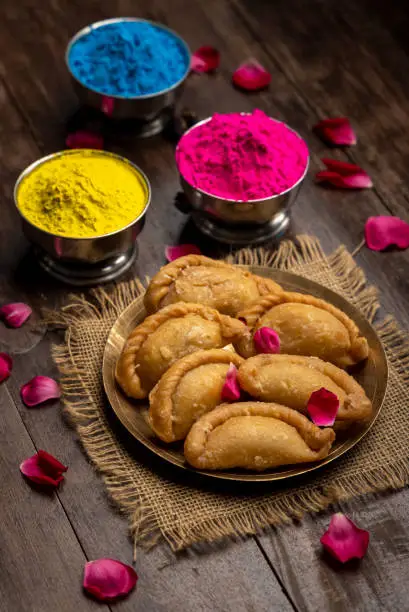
(82, 194)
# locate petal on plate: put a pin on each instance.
(344, 540)
(323, 407)
(83, 139)
(15, 314)
(266, 340)
(251, 76)
(231, 387)
(39, 389)
(180, 250)
(337, 131)
(6, 365)
(205, 59)
(108, 579)
(42, 468)
(384, 231)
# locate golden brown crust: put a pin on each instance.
(162, 396)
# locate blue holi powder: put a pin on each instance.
(128, 59)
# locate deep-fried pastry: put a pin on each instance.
(290, 380)
(168, 335)
(195, 278)
(255, 436)
(189, 388)
(306, 326)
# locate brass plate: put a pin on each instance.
(372, 375)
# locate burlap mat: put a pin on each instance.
(182, 512)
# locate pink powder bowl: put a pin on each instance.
(242, 157)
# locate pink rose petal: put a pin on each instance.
(6, 365)
(38, 390)
(323, 407)
(231, 387)
(266, 340)
(108, 579)
(15, 314)
(337, 131)
(344, 540)
(84, 140)
(383, 231)
(343, 175)
(44, 469)
(107, 106)
(251, 76)
(180, 250)
(205, 59)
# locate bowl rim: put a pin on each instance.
(233, 201)
(43, 160)
(98, 24)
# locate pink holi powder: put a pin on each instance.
(242, 157)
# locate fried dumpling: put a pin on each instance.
(306, 326)
(191, 387)
(195, 278)
(290, 380)
(168, 335)
(255, 436)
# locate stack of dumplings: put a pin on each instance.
(203, 315)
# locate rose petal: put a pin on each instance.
(180, 250)
(323, 407)
(344, 540)
(107, 579)
(107, 106)
(384, 231)
(343, 175)
(266, 340)
(341, 167)
(231, 387)
(15, 314)
(205, 59)
(251, 76)
(39, 389)
(84, 140)
(337, 131)
(6, 365)
(44, 469)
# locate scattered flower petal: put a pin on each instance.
(15, 314)
(323, 407)
(180, 250)
(266, 340)
(344, 540)
(6, 365)
(343, 175)
(251, 76)
(381, 232)
(108, 579)
(107, 106)
(44, 469)
(38, 390)
(231, 387)
(84, 139)
(205, 59)
(337, 131)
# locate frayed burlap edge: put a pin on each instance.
(111, 459)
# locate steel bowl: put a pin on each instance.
(144, 108)
(239, 221)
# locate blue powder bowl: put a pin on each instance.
(128, 68)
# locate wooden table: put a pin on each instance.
(327, 58)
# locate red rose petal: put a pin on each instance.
(108, 579)
(84, 140)
(384, 231)
(341, 167)
(231, 387)
(205, 59)
(251, 76)
(344, 540)
(343, 175)
(337, 131)
(38, 390)
(6, 365)
(266, 340)
(180, 250)
(15, 314)
(323, 407)
(107, 106)
(43, 468)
